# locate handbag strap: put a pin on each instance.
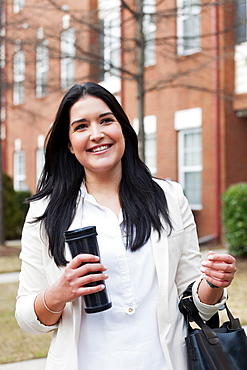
(213, 322)
(234, 321)
(193, 315)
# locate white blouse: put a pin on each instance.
(126, 335)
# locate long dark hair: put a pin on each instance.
(142, 200)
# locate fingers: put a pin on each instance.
(219, 269)
(81, 259)
(90, 289)
(83, 275)
(227, 258)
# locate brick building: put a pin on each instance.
(195, 81)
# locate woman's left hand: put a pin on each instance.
(219, 269)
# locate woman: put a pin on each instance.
(147, 239)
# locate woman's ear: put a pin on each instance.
(71, 148)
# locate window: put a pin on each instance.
(188, 26)
(19, 171)
(240, 21)
(150, 129)
(190, 165)
(188, 123)
(19, 76)
(42, 67)
(67, 58)
(149, 29)
(40, 157)
(19, 167)
(40, 160)
(111, 44)
(18, 5)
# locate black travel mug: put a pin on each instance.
(84, 240)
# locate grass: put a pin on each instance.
(237, 292)
(10, 264)
(9, 258)
(17, 345)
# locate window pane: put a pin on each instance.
(192, 187)
(42, 67)
(151, 152)
(191, 32)
(192, 149)
(188, 24)
(70, 72)
(19, 75)
(18, 5)
(190, 165)
(240, 21)
(19, 171)
(149, 28)
(40, 159)
(68, 52)
(110, 42)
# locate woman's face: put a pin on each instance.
(96, 137)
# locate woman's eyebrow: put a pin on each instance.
(78, 120)
(84, 119)
(105, 114)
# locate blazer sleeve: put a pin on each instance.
(189, 264)
(32, 278)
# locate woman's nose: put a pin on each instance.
(96, 133)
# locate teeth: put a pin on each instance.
(103, 147)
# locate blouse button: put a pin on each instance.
(130, 311)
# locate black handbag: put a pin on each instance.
(220, 348)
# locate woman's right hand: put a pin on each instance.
(80, 271)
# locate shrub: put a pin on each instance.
(20, 198)
(14, 209)
(12, 212)
(235, 218)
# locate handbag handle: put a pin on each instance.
(192, 313)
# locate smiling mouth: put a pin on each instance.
(99, 148)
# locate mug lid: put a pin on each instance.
(83, 232)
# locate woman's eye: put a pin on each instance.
(107, 120)
(82, 126)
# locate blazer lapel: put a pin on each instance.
(161, 260)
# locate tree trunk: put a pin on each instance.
(140, 77)
(2, 239)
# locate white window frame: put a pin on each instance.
(150, 134)
(42, 69)
(188, 13)
(19, 170)
(68, 52)
(241, 21)
(112, 53)
(185, 169)
(188, 121)
(19, 77)
(150, 130)
(18, 5)
(40, 157)
(149, 31)
(40, 160)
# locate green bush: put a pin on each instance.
(235, 218)
(14, 209)
(21, 196)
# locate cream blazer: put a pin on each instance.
(177, 260)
